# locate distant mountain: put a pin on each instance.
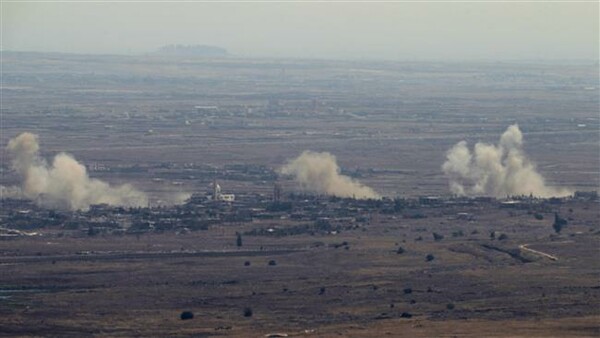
(192, 50)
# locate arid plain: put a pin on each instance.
(420, 262)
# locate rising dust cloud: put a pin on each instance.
(496, 170)
(65, 183)
(319, 173)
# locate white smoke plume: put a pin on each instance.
(320, 173)
(64, 184)
(496, 170)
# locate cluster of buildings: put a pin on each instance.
(295, 212)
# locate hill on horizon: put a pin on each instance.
(192, 50)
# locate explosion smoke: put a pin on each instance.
(64, 184)
(497, 171)
(320, 173)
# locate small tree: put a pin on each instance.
(185, 315)
(559, 223)
(437, 237)
(239, 239)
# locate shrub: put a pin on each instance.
(429, 257)
(559, 223)
(458, 233)
(272, 262)
(339, 245)
(437, 237)
(450, 306)
(400, 250)
(247, 312)
(185, 315)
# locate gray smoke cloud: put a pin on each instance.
(320, 173)
(65, 183)
(496, 170)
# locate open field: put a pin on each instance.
(351, 283)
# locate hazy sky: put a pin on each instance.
(322, 30)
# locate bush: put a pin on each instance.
(247, 263)
(502, 237)
(450, 306)
(405, 315)
(407, 291)
(429, 257)
(272, 262)
(538, 216)
(437, 237)
(185, 315)
(92, 231)
(321, 291)
(339, 245)
(238, 241)
(559, 223)
(458, 233)
(247, 312)
(400, 250)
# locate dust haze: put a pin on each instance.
(64, 183)
(319, 173)
(496, 170)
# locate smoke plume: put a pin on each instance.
(496, 170)
(320, 173)
(64, 184)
